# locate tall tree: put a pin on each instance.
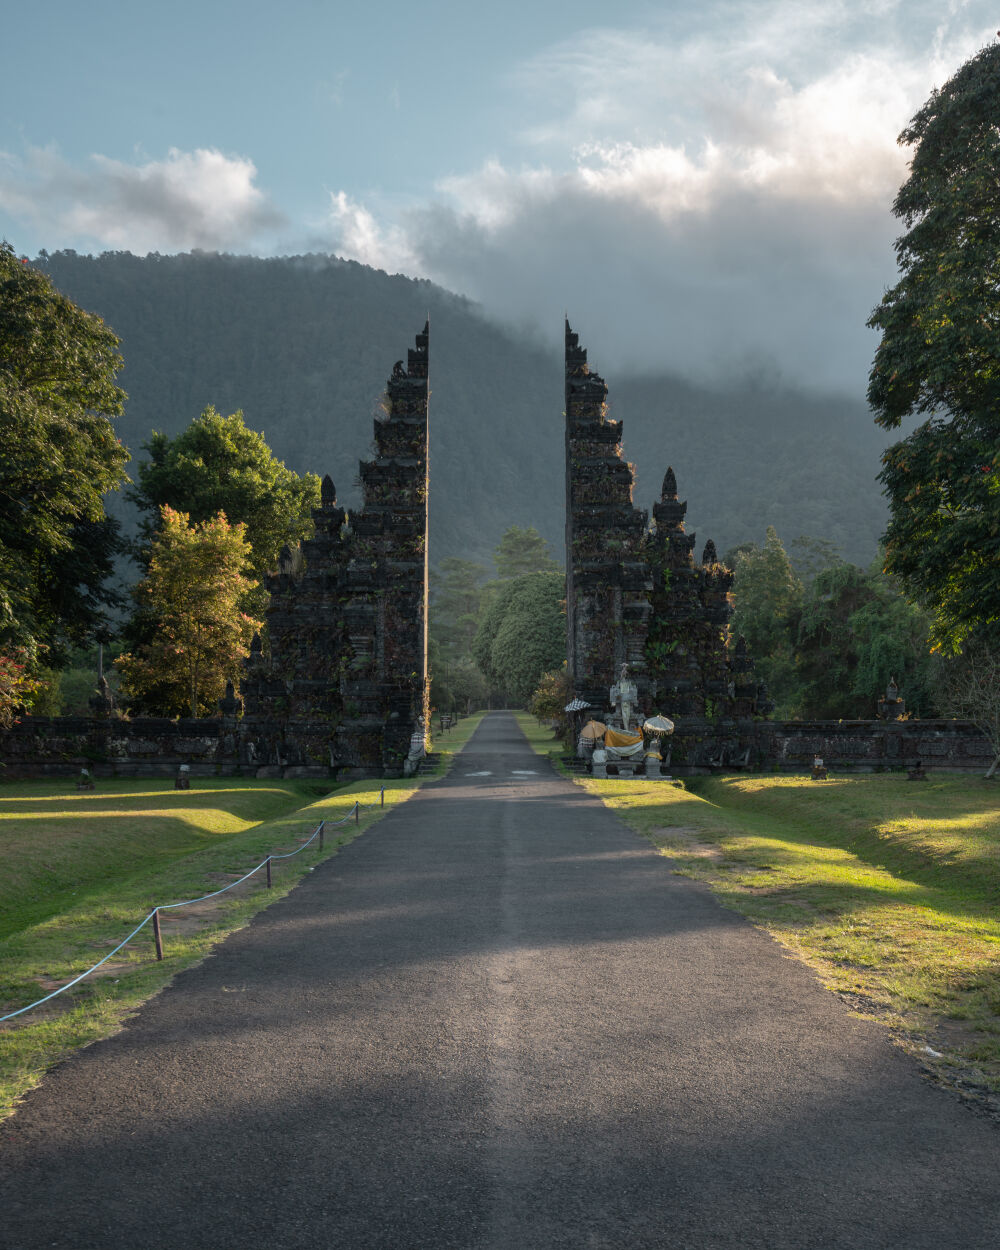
(218, 465)
(766, 595)
(193, 591)
(523, 551)
(940, 355)
(522, 633)
(59, 456)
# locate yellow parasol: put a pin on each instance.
(593, 730)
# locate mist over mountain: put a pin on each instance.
(304, 344)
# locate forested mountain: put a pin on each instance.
(303, 345)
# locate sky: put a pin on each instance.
(705, 188)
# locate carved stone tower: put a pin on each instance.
(345, 688)
(607, 579)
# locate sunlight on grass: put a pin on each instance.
(886, 888)
(75, 928)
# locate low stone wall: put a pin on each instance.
(222, 746)
(144, 747)
(856, 746)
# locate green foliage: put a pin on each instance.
(523, 551)
(940, 354)
(548, 702)
(193, 591)
(17, 686)
(855, 632)
(522, 633)
(827, 649)
(60, 455)
(766, 595)
(218, 465)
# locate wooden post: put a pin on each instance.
(322, 829)
(268, 872)
(357, 812)
(157, 935)
(381, 801)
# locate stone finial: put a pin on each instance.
(709, 555)
(256, 648)
(742, 650)
(398, 371)
(328, 494)
(669, 485)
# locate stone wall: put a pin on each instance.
(154, 747)
(703, 746)
(145, 747)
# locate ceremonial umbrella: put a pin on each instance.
(593, 730)
(576, 706)
(659, 725)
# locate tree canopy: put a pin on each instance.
(940, 355)
(59, 455)
(192, 591)
(522, 633)
(218, 465)
(523, 551)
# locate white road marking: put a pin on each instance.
(523, 772)
(486, 774)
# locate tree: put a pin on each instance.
(972, 689)
(218, 465)
(193, 591)
(766, 595)
(59, 456)
(17, 686)
(523, 633)
(940, 355)
(854, 632)
(523, 551)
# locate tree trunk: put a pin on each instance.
(992, 768)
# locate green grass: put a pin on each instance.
(111, 858)
(540, 737)
(451, 741)
(887, 888)
(59, 846)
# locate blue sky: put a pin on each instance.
(706, 187)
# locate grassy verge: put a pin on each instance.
(148, 848)
(887, 888)
(449, 743)
(540, 737)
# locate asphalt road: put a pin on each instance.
(496, 1021)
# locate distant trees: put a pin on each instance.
(496, 638)
(523, 551)
(767, 596)
(59, 455)
(940, 355)
(827, 645)
(193, 590)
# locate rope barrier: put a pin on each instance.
(264, 863)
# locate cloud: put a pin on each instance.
(696, 200)
(200, 199)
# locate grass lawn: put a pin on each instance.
(888, 889)
(83, 869)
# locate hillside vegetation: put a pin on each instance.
(303, 345)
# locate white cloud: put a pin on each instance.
(695, 200)
(199, 199)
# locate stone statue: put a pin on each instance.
(623, 697)
(103, 700)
